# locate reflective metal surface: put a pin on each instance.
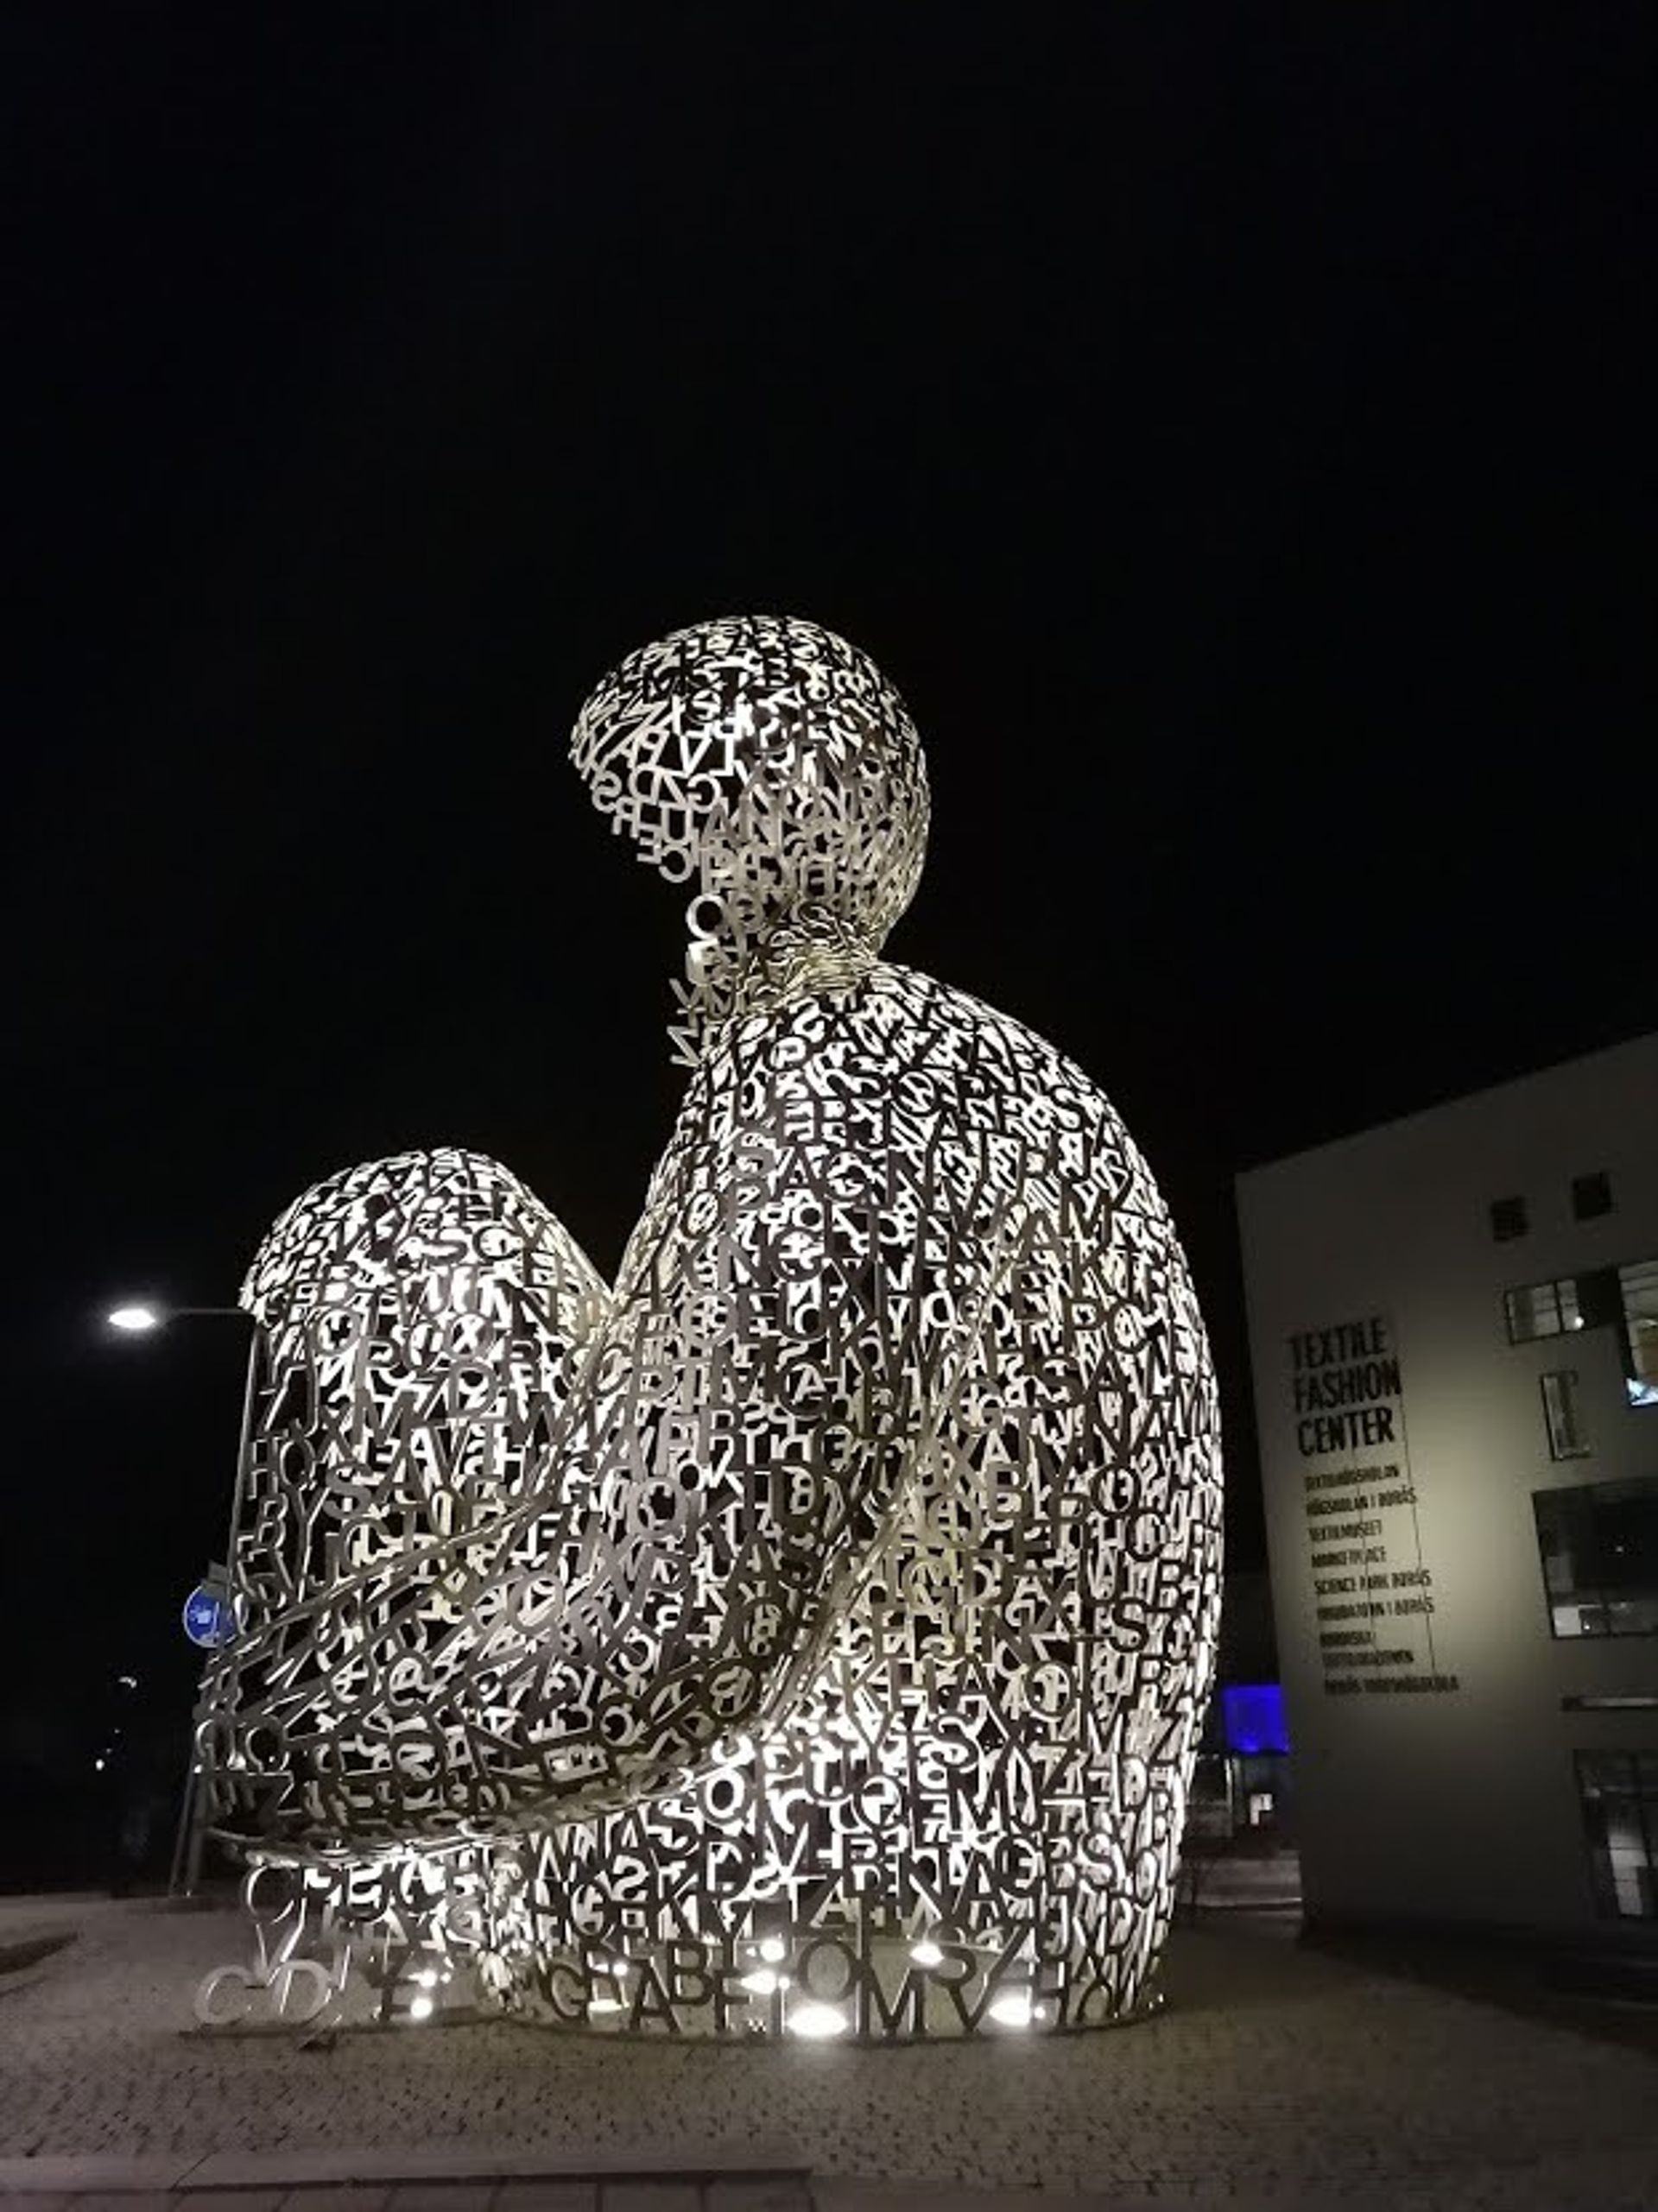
(810, 1633)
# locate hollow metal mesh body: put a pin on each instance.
(810, 1633)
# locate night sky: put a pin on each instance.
(1230, 428)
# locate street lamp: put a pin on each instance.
(139, 1319)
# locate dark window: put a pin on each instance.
(1600, 1297)
(1598, 1545)
(1592, 1196)
(1618, 1793)
(1561, 1415)
(1507, 1219)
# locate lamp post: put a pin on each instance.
(139, 1319)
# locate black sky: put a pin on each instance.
(1229, 427)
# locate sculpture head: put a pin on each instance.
(769, 763)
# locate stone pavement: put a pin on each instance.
(1277, 2077)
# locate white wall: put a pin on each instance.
(1459, 1804)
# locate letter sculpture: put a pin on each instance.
(811, 1633)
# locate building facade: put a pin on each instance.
(1453, 1321)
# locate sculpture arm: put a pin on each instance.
(744, 1418)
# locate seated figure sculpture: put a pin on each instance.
(812, 1631)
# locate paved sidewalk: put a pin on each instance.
(1277, 2077)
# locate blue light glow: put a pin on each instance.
(209, 1619)
(1252, 1717)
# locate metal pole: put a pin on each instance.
(187, 1814)
(192, 1837)
(197, 1827)
(244, 1446)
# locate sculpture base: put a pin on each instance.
(462, 1934)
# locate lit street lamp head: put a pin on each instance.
(133, 1319)
(137, 1320)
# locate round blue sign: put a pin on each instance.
(209, 1619)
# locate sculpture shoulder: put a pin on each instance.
(895, 1022)
(901, 1059)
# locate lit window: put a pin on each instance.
(1542, 1310)
(1507, 1219)
(1598, 1545)
(1619, 1792)
(1592, 1196)
(1533, 1311)
(1600, 1297)
(1565, 1437)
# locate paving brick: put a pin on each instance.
(441, 2195)
(649, 2196)
(779, 2193)
(546, 2196)
(54, 2172)
(346, 2196)
(228, 2200)
(113, 2200)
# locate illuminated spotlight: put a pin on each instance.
(604, 2005)
(774, 1948)
(762, 1982)
(420, 2008)
(1014, 2011)
(134, 1319)
(97, 1765)
(428, 1977)
(926, 1952)
(817, 2021)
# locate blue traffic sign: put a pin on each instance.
(209, 1619)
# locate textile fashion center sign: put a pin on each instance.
(1373, 1590)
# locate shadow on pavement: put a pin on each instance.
(1537, 1984)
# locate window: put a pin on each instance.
(1565, 1437)
(1637, 1289)
(1542, 1310)
(1592, 1196)
(1618, 1793)
(1507, 1219)
(1598, 1545)
(1626, 1298)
